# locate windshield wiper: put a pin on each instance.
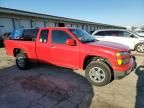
(87, 41)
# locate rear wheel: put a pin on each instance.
(140, 48)
(98, 73)
(1, 43)
(22, 61)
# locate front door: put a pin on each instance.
(62, 54)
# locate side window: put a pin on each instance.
(44, 36)
(112, 33)
(126, 34)
(105, 33)
(108, 33)
(101, 33)
(59, 37)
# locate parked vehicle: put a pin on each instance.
(140, 33)
(26, 34)
(1, 41)
(4, 37)
(91, 32)
(76, 49)
(132, 40)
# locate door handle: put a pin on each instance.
(52, 46)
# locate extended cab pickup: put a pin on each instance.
(76, 49)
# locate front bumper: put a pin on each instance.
(119, 74)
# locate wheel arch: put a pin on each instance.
(138, 44)
(90, 58)
(17, 51)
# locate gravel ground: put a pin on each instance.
(46, 86)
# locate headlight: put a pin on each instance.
(122, 61)
(121, 54)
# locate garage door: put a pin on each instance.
(68, 25)
(92, 28)
(50, 24)
(6, 25)
(80, 26)
(99, 27)
(89, 28)
(39, 24)
(74, 25)
(85, 27)
(96, 27)
(25, 24)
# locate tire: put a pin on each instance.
(22, 61)
(140, 47)
(104, 74)
(1, 44)
(135, 63)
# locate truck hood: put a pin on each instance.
(110, 45)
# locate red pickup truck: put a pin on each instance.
(73, 48)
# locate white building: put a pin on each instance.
(11, 19)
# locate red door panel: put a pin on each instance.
(64, 55)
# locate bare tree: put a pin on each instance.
(142, 27)
(133, 28)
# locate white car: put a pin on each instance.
(132, 40)
(140, 32)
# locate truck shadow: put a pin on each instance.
(44, 86)
(140, 87)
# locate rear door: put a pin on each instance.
(112, 36)
(106, 36)
(127, 38)
(62, 54)
(100, 35)
(42, 45)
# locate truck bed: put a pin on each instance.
(28, 46)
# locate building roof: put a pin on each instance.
(33, 14)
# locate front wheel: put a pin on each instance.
(140, 47)
(22, 61)
(98, 73)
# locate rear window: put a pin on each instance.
(101, 33)
(44, 36)
(113, 33)
(109, 33)
(140, 31)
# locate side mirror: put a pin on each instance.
(132, 36)
(70, 42)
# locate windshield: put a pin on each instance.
(82, 35)
(136, 34)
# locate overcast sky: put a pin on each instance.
(116, 12)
